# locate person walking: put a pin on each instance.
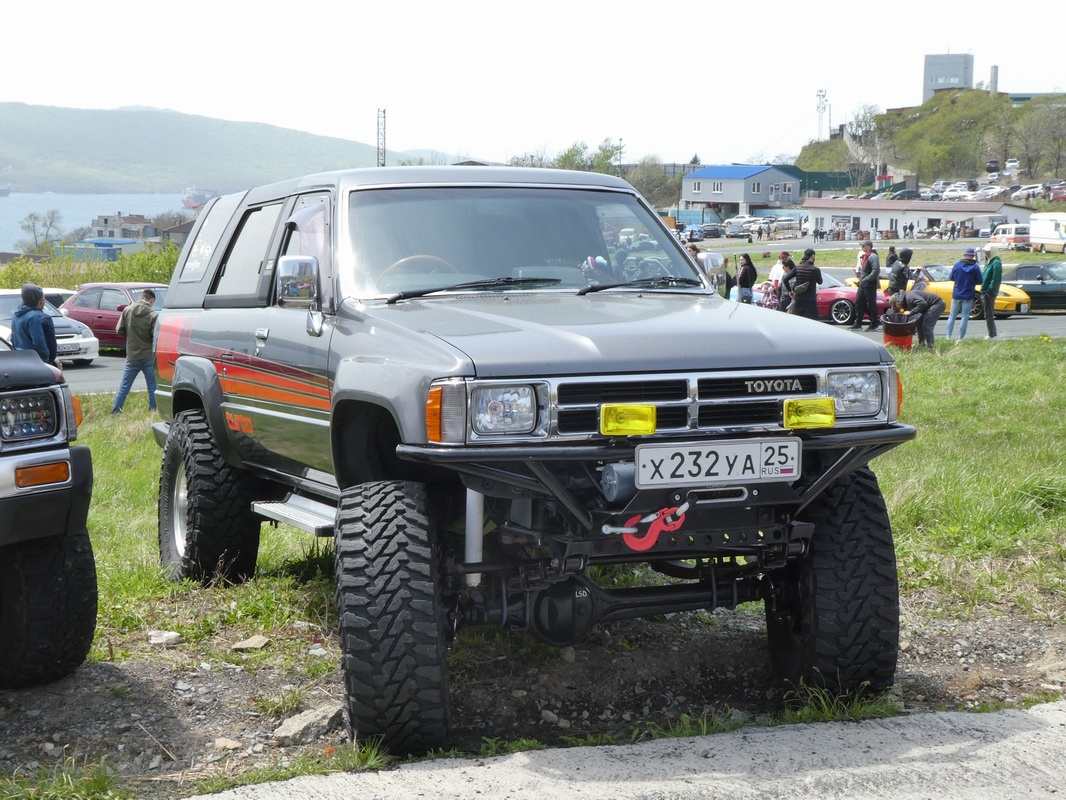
(869, 285)
(32, 328)
(803, 282)
(991, 277)
(966, 274)
(746, 275)
(137, 324)
(924, 309)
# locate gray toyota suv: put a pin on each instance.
(484, 383)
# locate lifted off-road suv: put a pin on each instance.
(47, 571)
(480, 388)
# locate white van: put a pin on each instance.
(1010, 237)
(1048, 232)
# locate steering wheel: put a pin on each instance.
(419, 264)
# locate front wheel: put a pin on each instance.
(392, 618)
(206, 525)
(841, 312)
(48, 601)
(833, 617)
(978, 310)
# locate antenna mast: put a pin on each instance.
(821, 111)
(381, 137)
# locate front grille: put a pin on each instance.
(701, 402)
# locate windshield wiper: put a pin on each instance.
(654, 283)
(490, 283)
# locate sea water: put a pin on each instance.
(76, 210)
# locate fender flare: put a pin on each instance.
(196, 376)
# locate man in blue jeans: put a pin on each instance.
(137, 324)
(967, 275)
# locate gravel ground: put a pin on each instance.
(168, 718)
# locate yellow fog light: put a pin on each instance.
(626, 420)
(816, 413)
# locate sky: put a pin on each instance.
(727, 82)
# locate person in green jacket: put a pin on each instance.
(990, 280)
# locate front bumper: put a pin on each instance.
(52, 509)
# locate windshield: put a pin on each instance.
(410, 240)
(1057, 271)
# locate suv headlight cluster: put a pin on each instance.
(856, 394)
(28, 416)
(493, 410)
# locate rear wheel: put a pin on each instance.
(48, 603)
(206, 525)
(834, 620)
(392, 617)
(841, 312)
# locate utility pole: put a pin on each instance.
(381, 137)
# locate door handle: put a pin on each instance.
(262, 333)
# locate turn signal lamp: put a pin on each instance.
(618, 419)
(42, 474)
(810, 413)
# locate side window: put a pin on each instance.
(111, 299)
(1028, 273)
(244, 261)
(90, 298)
(309, 230)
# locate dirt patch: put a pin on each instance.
(169, 717)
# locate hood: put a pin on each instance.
(139, 308)
(528, 334)
(22, 311)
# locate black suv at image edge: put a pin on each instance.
(48, 594)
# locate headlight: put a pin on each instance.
(503, 410)
(28, 416)
(856, 394)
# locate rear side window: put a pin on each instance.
(243, 263)
(203, 247)
(90, 298)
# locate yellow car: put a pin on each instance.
(1009, 300)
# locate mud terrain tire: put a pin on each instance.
(393, 641)
(48, 603)
(835, 622)
(206, 526)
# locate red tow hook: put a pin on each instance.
(665, 520)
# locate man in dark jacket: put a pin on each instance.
(803, 282)
(899, 274)
(137, 324)
(924, 309)
(869, 286)
(32, 328)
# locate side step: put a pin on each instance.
(300, 512)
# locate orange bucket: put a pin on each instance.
(903, 342)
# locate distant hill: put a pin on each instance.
(139, 150)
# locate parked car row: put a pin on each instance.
(84, 320)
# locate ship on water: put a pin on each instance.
(194, 198)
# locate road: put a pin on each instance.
(948, 756)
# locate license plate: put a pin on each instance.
(1023, 308)
(68, 348)
(701, 464)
